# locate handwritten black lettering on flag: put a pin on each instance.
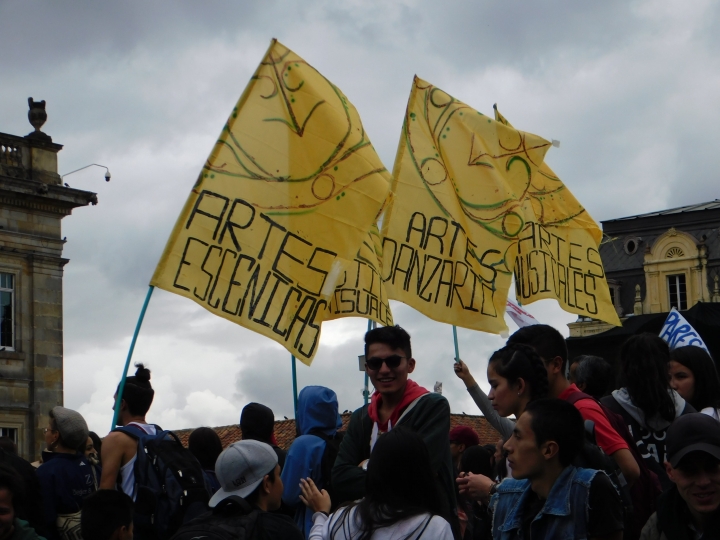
(278, 217)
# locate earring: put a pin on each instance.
(519, 393)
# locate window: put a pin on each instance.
(677, 292)
(7, 311)
(10, 433)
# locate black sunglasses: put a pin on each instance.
(376, 363)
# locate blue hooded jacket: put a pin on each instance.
(317, 411)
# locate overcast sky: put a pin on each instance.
(630, 88)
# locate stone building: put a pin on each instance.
(33, 202)
(660, 260)
(654, 262)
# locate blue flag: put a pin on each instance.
(677, 332)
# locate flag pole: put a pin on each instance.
(366, 389)
(457, 349)
(294, 377)
(121, 387)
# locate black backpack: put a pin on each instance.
(643, 494)
(232, 519)
(332, 447)
(170, 484)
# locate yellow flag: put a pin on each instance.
(360, 291)
(558, 255)
(462, 199)
(281, 207)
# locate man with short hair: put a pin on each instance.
(257, 423)
(548, 497)
(551, 346)
(461, 438)
(690, 509)
(107, 515)
(250, 491)
(594, 376)
(396, 400)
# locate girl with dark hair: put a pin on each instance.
(401, 501)
(645, 400)
(517, 376)
(693, 375)
(204, 443)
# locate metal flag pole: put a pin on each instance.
(294, 376)
(121, 387)
(457, 349)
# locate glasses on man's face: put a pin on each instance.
(45, 430)
(376, 362)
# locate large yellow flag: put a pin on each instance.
(558, 255)
(281, 207)
(463, 196)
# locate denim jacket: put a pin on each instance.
(563, 517)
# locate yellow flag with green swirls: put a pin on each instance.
(557, 255)
(467, 192)
(281, 209)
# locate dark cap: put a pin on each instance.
(464, 435)
(695, 432)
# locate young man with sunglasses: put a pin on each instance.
(396, 400)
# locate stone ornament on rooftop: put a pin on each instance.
(37, 117)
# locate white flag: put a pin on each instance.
(519, 315)
(677, 332)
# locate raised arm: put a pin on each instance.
(504, 425)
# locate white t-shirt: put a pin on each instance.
(127, 471)
(422, 526)
(711, 411)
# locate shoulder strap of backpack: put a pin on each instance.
(577, 396)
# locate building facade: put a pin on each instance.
(33, 202)
(660, 260)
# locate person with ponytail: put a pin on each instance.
(517, 376)
(645, 400)
(119, 450)
(693, 375)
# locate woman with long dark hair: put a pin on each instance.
(517, 376)
(401, 501)
(645, 400)
(693, 375)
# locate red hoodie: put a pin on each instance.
(412, 391)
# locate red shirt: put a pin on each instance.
(605, 435)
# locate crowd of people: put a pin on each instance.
(578, 456)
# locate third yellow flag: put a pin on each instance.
(464, 197)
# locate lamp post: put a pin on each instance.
(107, 171)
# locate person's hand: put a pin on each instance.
(475, 486)
(314, 499)
(462, 371)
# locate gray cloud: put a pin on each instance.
(630, 89)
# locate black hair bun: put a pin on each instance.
(142, 373)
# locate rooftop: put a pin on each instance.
(711, 205)
(285, 430)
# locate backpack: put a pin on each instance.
(332, 447)
(170, 485)
(644, 492)
(232, 519)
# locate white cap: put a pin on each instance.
(241, 467)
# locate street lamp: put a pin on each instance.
(107, 171)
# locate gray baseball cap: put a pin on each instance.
(71, 425)
(241, 467)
